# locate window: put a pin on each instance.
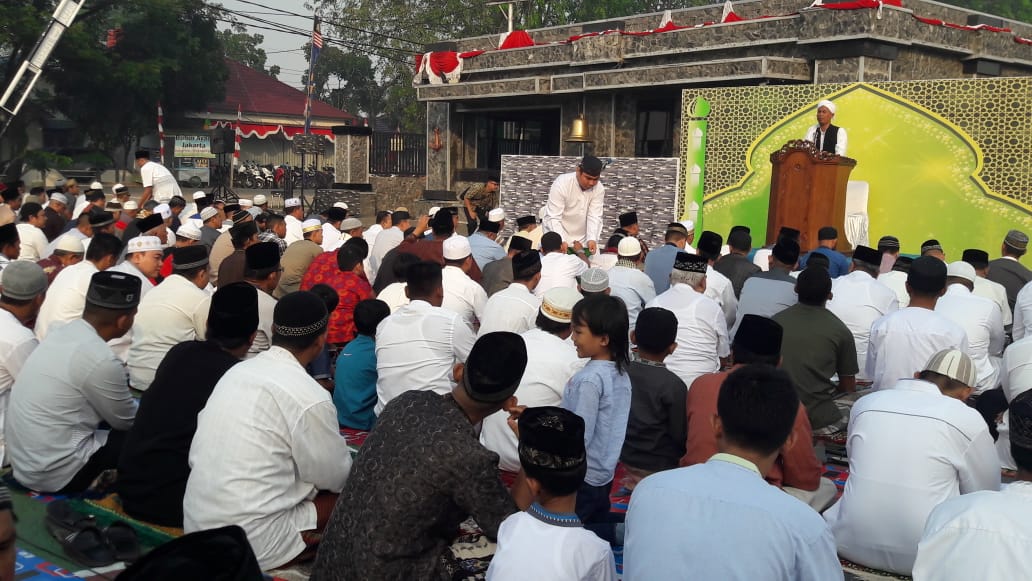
(654, 136)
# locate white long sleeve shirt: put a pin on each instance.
(815, 135)
(121, 345)
(858, 300)
(173, 312)
(1015, 379)
(34, 245)
(995, 291)
(701, 332)
(16, 344)
(1023, 313)
(266, 442)
(982, 321)
(573, 213)
(294, 231)
(65, 298)
(462, 295)
(902, 342)
(513, 309)
(634, 288)
(720, 289)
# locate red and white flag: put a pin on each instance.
(237, 137)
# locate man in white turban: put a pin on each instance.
(824, 135)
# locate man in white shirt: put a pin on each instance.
(71, 405)
(825, 136)
(858, 300)
(332, 238)
(987, 288)
(515, 308)
(293, 216)
(910, 448)
(575, 204)
(628, 281)
(557, 267)
(551, 362)
(418, 346)
(461, 294)
(176, 311)
(1016, 379)
(158, 182)
(34, 245)
(268, 455)
(896, 280)
(262, 270)
(387, 240)
(66, 296)
(143, 260)
(718, 286)
(902, 341)
(984, 535)
(23, 284)
(981, 320)
(383, 221)
(702, 340)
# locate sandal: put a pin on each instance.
(121, 537)
(78, 535)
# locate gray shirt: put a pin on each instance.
(765, 294)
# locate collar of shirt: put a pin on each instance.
(627, 264)
(918, 385)
(957, 289)
(1010, 258)
(637, 358)
(737, 460)
(558, 519)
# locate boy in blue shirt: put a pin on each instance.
(354, 393)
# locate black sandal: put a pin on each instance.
(121, 537)
(78, 535)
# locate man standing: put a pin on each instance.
(268, 455)
(827, 239)
(1006, 270)
(22, 288)
(477, 201)
(575, 204)
(768, 293)
(627, 281)
(825, 136)
(158, 182)
(263, 273)
(735, 265)
(299, 257)
(981, 320)
(660, 262)
(66, 296)
(461, 294)
(516, 307)
(71, 404)
(557, 267)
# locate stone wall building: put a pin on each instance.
(628, 87)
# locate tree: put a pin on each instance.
(245, 48)
(347, 81)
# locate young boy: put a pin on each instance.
(548, 542)
(657, 427)
(354, 394)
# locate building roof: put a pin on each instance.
(258, 94)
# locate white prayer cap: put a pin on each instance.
(688, 225)
(350, 224)
(119, 189)
(311, 225)
(199, 195)
(629, 246)
(496, 215)
(59, 197)
(828, 104)
(130, 205)
(456, 247)
(164, 210)
(189, 230)
(254, 212)
(71, 244)
(245, 203)
(340, 205)
(260, 200)
(558, 303)
(144, 244)
(961, 269)
(433, 211)
(208, 213)
(97, 186)
(291, 203)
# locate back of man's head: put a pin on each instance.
(551, 242)
(757, 406)
(740, 240)
(102, 246)
(352, 253)
(368, 314)
(423, 280)
(757, 342)
(927, 276)
(1020, 423)
(813, 286)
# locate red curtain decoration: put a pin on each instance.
(419, 62)
(263, 131)
(516, 39)
(732, 17)
(443, 62)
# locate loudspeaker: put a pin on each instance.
(222, 140)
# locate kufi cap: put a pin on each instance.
(241, 216)
(291, 203)
(961, 269)
(496, 215)
(433, 211)
(786, 251)
(676, 227)
(113, 205)
(526, 264)
(189, 257)
(130, 205)
(1016, 239)
(690, 263)
(689, 226)
(520, 243)
(335, 214)
(976, 258)
(142, 154)
(199, 195)
(208, 213)
(150, 222)
(101, 219)
(254, 212)
(311, 225)
(1019, 421)
(233, 311)
(441, 221)
(552, 438)
(350, 224)
(143, 244)
(165, 210)
(495, 367)
(230, 208)
(340, 205)
(827, 233)
(954, 364)
(299, 314)
(97, 186)
(592, 166)
(786, 232)
(524, 221)
(400, 216)
(189, 231)
(244, 229)
(8, 234)
(245, 203)
(759, 335)
(931, 244)
(709, 242)
(826, 103)
(489, 226)
(59, 197)
(70, 244)
(628, 246)
(262, 255)
(867, 254)
(260, 200)
(594, 280)
(927, 274)
(114, 290)
(628, 219)
(60, 182)
(558, 303)
(23, 280)
(456, 248)
(902, 264)
(889, 242)
(119, 189)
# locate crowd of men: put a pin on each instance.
(202, 359)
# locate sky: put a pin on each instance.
(282, 49)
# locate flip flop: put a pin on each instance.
(121, 537)
(78, 535)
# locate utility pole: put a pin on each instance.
(506, 13)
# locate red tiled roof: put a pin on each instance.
(259, 94)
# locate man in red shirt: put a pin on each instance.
(343, 271)
(796, 470)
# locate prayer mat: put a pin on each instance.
(29, 567)
(837, 474)
(109, 509)
(859, 572)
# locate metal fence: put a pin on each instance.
(398, 154)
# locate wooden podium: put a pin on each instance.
(808, 192)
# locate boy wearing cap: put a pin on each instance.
(22, 288)
(67, 294)
(342, 270)
(576, 201)
(299, 257)
(515, 307)
(71, 386)
(913, 447)
(547, 542)
(823, 135)
(461, 294)
(981, 320)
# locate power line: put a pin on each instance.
(307, 33)
(334, 23)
